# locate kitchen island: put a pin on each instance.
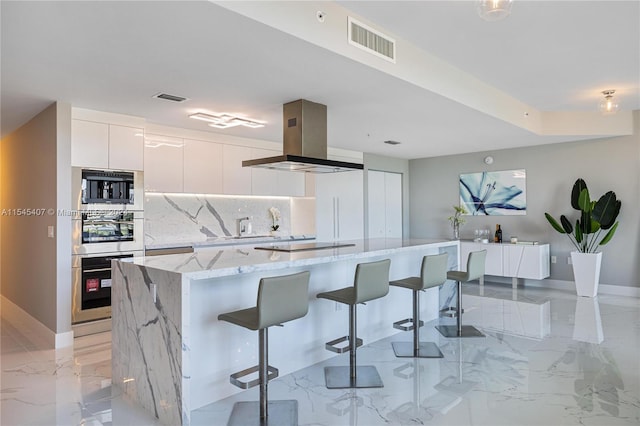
(171, 355)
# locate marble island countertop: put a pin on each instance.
(219, 261)
(227, 241)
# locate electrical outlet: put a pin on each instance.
(569, 260)
(554, 259)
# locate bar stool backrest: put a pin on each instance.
(282, 299)
(372, 280)
(434, 270)
(475, 264)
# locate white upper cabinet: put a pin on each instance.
(163, 164)
(89, 144)
(263, 181)
(236, 179)
(275, 182)
(106, 146)
(202, 167)
(126, 148)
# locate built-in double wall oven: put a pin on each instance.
(107, 224)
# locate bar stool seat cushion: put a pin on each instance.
(344, 295)
(247, 318)
(458, 276)
(413, 283)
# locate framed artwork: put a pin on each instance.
(494, 193)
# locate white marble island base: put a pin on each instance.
(172, 355)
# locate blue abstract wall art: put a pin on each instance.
(494, 193)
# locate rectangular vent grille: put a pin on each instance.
(366, 38)
(168, 97)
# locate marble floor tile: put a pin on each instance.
(586, 371)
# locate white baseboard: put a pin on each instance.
(31, 327)
(615, 290)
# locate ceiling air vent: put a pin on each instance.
(168, 97)
(366, 38)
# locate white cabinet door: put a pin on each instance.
(493, 263)
(384, 204)
(89, 144)
(275, 182)
(163, 163)
(202, 167)
(264, 181)
(339, 206)
(523, 261)
(126, 148)
(291, 184)
(236, 180)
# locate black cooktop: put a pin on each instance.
(304, 247)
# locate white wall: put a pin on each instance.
(605, 164)
(36, 269)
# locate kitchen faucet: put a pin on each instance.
(243, 228)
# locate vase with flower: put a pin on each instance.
(275, 218)
(457, 220)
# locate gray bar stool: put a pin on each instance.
(371, 282)
(432, 274)
(280, 299)
(475, 270)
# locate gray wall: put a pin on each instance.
(388, 164)
(36, 270)
(605, 164)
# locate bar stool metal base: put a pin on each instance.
(452, 331)
(339, 377)
(281, 413)
(425, 350)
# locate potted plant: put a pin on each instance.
(457, 220)
(595, 227)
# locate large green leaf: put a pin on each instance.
(606, 210)
(566, 225)
(609, 235)
(584, 201)
(554, 223)
(575, 193)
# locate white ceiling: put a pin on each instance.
(113, 56)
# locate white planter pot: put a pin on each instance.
(586, 272)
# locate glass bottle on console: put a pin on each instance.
(498, 235)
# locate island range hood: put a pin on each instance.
(304, 142)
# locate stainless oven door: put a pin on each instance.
(91, 287)
(125, 244)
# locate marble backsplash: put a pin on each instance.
(177, 218)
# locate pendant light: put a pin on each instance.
(493, 10)
(608, 105)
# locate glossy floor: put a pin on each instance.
(581, 369)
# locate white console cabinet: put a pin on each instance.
(510, 260)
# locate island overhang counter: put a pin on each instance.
(171, 355)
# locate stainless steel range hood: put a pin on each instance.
(305, 142)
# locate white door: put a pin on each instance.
(384, 204)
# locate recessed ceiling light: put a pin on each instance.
(168, 97)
